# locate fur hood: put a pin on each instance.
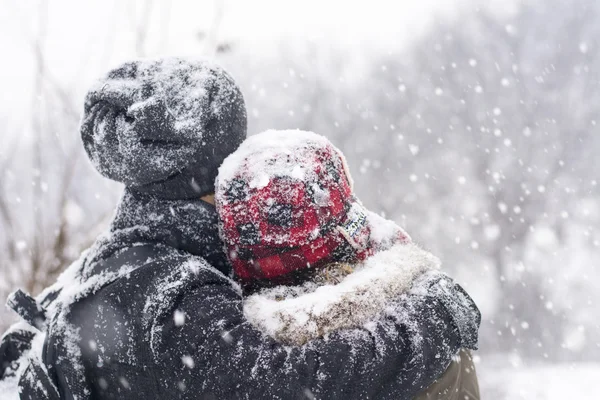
(295, 315)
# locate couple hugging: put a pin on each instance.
(234, 268)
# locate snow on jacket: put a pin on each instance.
(297, 314)
(150, 312)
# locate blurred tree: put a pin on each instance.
(495, 118)
(46, 192)
(53, 204)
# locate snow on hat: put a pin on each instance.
(163, 126)
(285, 203)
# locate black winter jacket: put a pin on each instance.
(150, 312)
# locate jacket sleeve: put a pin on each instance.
(206, 341)
(15, 342)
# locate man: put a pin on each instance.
(151, 312)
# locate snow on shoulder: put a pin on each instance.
(294, 315)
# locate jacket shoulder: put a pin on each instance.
(175, 278)
(117, 323)
(144, 291)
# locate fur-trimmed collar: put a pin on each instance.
(296, 314)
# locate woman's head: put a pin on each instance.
(285, 203)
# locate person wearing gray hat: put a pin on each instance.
(163, 127)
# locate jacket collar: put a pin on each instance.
(189, 226)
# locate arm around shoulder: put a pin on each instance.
(205, 340)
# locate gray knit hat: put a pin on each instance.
(163, 127)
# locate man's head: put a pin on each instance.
(163, 127)
(285, 203)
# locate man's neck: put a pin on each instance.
(209, 198)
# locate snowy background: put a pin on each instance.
(471, 123)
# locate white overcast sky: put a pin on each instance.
(84, 38)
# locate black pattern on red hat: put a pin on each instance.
(285, 203)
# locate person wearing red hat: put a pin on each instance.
(311, 259)
(286, 205)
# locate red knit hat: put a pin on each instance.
(285, 203)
